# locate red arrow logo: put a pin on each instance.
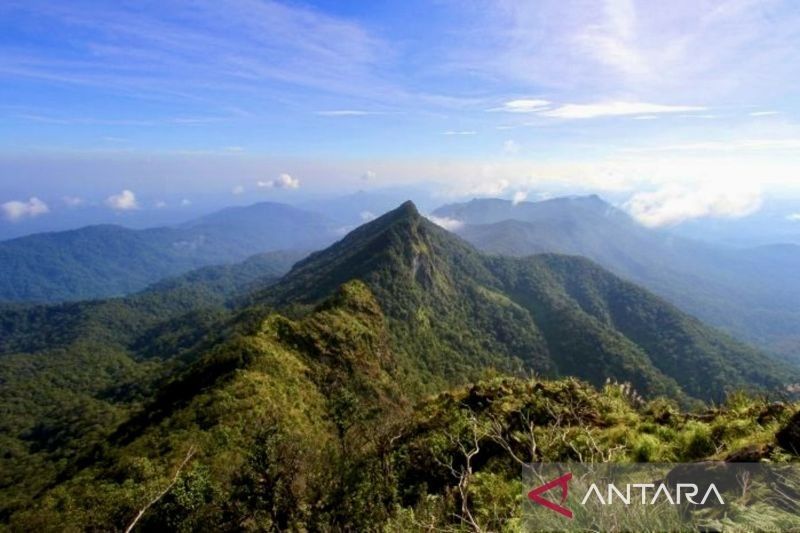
(535, 495)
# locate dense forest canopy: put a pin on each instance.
(349, 392)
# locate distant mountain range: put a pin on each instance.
(752, 293)
(103, 261)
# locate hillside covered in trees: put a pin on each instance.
(393, 381)
(750, 292)
(107, 260)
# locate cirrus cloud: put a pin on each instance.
(460, 132)
(345, 113)
(615, 109)
(523, 105)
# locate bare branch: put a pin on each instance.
(161, 494)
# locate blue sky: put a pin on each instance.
(680, 109)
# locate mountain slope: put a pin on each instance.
(750, 293)
(292, 408)
(437, 295)
(71, 372)
(302, 424)
(453, 312)
(309, 391)
(104, 261)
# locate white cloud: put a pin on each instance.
(124, 201)
(368, 175)
(510, 146)
(345, 113)
(674, 204)
(72, 201)
(725, 146)
(450, 224)
(644, 110)
(488, 187)
(17, 210)
(523, 106)
(284, 181)
(186, 202)
(237, 190)
(459, 132)
(646, 117)
(343, 230)
(519, 197)
(763, 113)
(366, 216)
(794, 217)
(615, 109)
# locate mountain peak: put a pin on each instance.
(407, 208)
(399, 245)
(405, 213)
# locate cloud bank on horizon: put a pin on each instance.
(687, 108)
